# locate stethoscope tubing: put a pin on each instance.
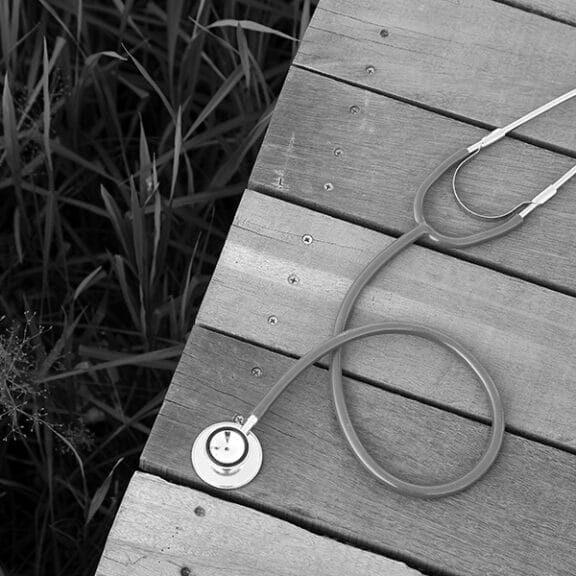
(342, 336)
(337, 387)
(336, 342)
(443, 240)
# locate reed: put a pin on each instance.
(128, 132)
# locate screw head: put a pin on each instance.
(384, 33)
(354, 109)
(370, 70)
(257, 371)
(272, 320)
(293, 279)
(328, 186)
(338, 151)
(307, 239)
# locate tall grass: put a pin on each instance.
(128, 132)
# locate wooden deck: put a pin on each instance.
(380, 92)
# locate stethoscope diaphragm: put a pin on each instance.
(226, 457)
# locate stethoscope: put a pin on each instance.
(228, 455)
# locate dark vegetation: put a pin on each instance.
(128, 132)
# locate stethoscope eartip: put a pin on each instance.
(226, 457)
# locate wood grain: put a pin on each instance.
(524, 334)
(366, 167)
(162, 529)
(476, 59)
(519, 519)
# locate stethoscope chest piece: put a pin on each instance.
(226, 457)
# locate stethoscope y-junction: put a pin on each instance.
(228, 455)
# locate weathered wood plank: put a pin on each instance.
(523, 333)
(366, 166)
(165, 529)
(477, 59)
(519, 519)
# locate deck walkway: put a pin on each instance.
(380, 92)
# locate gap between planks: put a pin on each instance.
(166, 529)
(387, 148)
(514, 135)
(559, 10)
(518, 519)
(475, 59)
(523, 333)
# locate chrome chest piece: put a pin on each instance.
(225, 456)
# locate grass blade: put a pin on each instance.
(152, 83)
(199, 13)
(116, 219)
(186, 293)
(145, 167)
(110, 355)
(79, 19)
(139, 239)
(227, 170)
(213, 103)
(71, 448)
(93, 278)
(100, 494)
(10, 129)
(244, 53)
(18, 235)
(157, 237)
(126, 18)
(120, 269)
(5, 31)
(9, 28)
(174, 16)
(250, 25)
(60, 150)
(210, 195)
(177, 152)
(63, 199)
(51, 204)
(58, 47)
(144, 359)
(47, 115)
(93, 58)
(117, 414)
(62, 24)
(56, 351)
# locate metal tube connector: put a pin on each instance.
(488, 140)
(499, 133)
(251, 421)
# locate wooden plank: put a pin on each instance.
(476, 59)
(166, 529)
(366, 166)
(523, 333)
(519, 519)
